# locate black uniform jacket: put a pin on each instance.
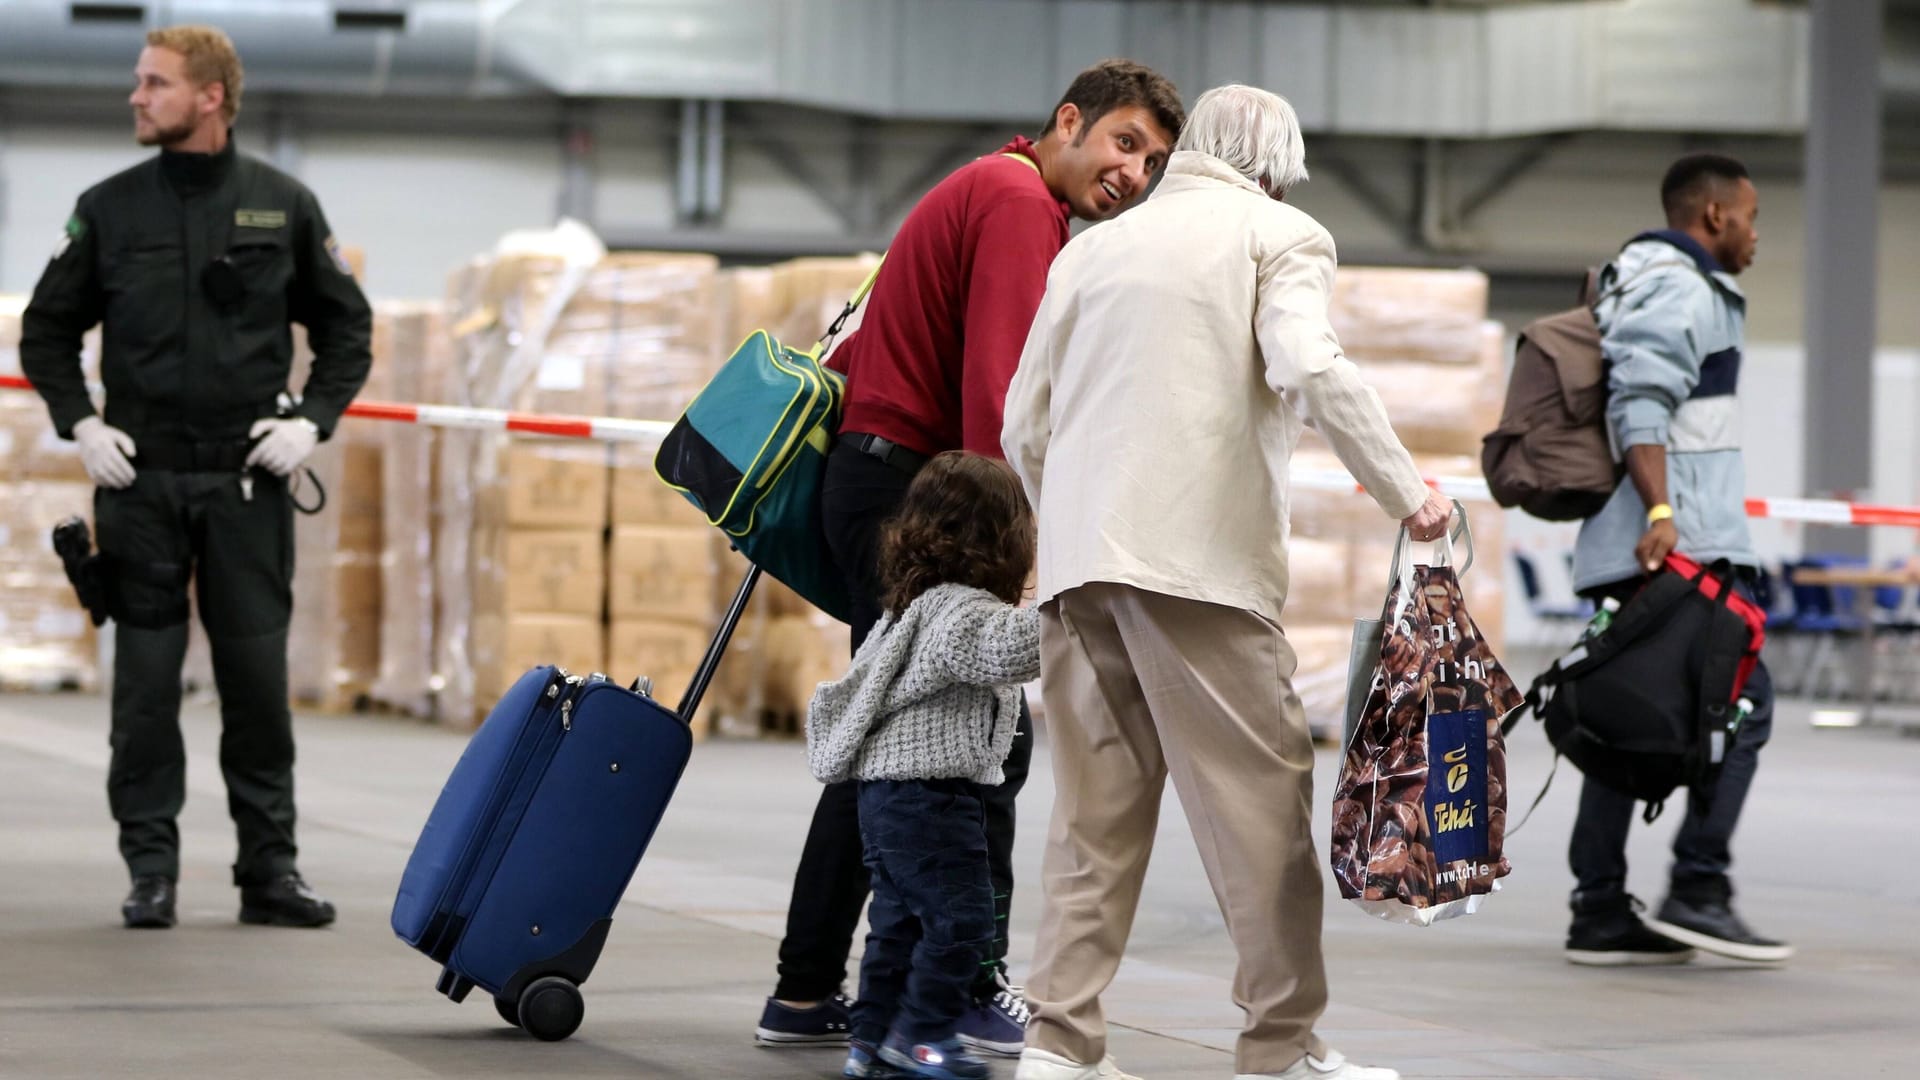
(183, 359)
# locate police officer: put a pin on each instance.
(195, 262)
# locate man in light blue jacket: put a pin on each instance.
(1672, 321)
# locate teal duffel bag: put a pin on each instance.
(751, 453)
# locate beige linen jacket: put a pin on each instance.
(1177, 353)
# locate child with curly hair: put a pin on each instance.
(923, 720)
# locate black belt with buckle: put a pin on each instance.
(180, 455)
(891, 453)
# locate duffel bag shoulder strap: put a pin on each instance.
(853, 305)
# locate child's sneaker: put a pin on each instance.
(944, 1060)
(997, 1026)
(863, 1063)
(826, 1024)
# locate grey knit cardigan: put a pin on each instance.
(932, 694)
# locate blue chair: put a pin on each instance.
(1541, 607)
(1766, 593)
(1826, 615)
(1896, 624)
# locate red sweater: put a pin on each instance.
(946, 321)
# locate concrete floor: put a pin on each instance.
(1827, 860)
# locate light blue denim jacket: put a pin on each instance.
(1672, 323)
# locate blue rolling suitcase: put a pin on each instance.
(513, 883)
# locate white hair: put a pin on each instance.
(1251, 129)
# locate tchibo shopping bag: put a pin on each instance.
(1420, 809)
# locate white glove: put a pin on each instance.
(104, 451)
(283, 444)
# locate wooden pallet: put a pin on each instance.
(49, 682)
(335, 701)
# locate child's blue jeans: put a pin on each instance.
(931, 917)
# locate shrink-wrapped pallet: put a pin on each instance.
(410, 347)
(47, 641)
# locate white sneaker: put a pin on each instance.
(1038, 1064)
(1334, 1066)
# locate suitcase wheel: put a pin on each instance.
(509, 1010)
(550, 1008)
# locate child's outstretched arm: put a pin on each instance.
(987, 642)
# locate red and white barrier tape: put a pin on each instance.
(611, 429)
(1812, 511)
(603, 428)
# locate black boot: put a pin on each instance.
(1607, 932)
(150, 905)
(1699, 912)
(284, 901)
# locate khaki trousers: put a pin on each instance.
(1139, 686)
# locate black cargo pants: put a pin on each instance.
(831, 884)
(166, 529)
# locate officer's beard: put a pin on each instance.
(165, 137)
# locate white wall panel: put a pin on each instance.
(761, 196)
(421, 206)
(42, 172)
(634, 183)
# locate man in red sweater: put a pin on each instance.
(927, 372)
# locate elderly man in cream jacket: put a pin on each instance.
(1177, 354)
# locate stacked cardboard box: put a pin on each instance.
(538, 573)
(661, 572)
(650, 321)
(334, 652)
(628, 335)
(335, 634)
(410, 349)
(790, 647)
(1422, 341)
(46, 639)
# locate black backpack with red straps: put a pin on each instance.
(1653, 701)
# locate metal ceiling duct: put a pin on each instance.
(362, 47)
(1369, 69)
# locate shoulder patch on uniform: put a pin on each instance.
(260, 219)
(339, 257)
(74, 230)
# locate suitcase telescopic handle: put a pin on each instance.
(718, 646)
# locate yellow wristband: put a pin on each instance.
(1663, 512)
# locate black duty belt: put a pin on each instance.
(182, 455)
(892, 453)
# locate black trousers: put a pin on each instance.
(1702, 849)
(164, 530)
(830, 886)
